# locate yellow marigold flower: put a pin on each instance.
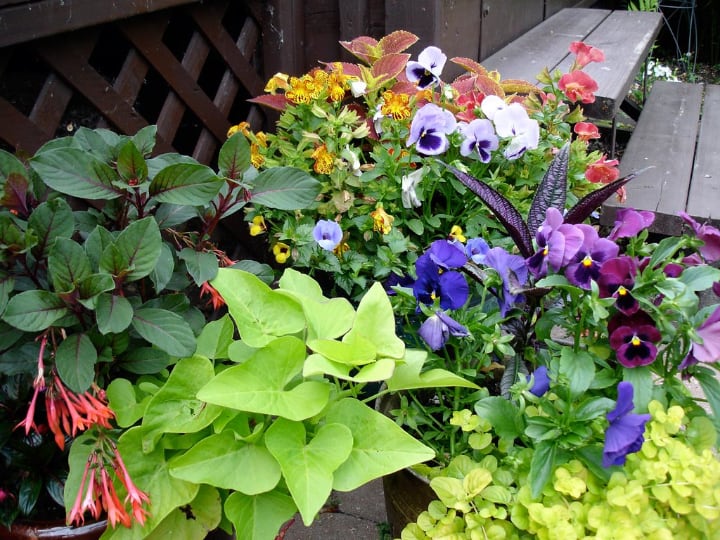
(244, 127)
(279, 81)
(341, 248)
(302, 90)
(456, 233)
(324, 160)
(395, 105)
(382, 221)
(257, 226)
(256, 158)
(281, 252)
(261, 139)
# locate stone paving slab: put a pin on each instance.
(360, 515)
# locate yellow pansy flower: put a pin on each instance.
(257, 226)
(281, 252)
(456, 233)
(244, 127)
(279, 81)
(324, 160)
(382, 221)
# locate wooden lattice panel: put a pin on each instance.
(189, 70)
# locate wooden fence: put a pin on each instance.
(189, 66)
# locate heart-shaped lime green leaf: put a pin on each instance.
(259, 384)
(123, 401)
(375, 322)
(175, 408)
(215, 338)
(381, 446)
(360, 351)
(409, 374)
(327, 318)
(195, 520)
(308, 467)
(317, 364)
(259, 517)
(260, 314)
(220, 460)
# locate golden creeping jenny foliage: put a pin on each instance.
(668, 490)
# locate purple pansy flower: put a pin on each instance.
(426, 71)
(625, 434)
(436, 330)
(541, 381)
(633, 338)
(616, 279)
(327, 234)
(709, 349)
(557, 242)
(585, 266)
(430, 128)
(629, 222)
(479, 139)
(507, 266)
(710, 250)
(436, 278)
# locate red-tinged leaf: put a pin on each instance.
(275, 101)
(489, 86)
(353, 70)
(502, 208)
(470, 65)
(15, 194)
(363, 47)
(464, 84)
(404, 87)
(397, 41)
(592, 201)
(389, 66)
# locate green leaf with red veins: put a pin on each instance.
(75, 360)
(234, 157)
(131, 165)
(186, 183)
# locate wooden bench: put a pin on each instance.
(678, 134)
(624, 36)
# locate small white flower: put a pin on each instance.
(358, 88)
(409, 183)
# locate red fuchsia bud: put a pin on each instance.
(136, 497)
(215, 300)
(115, 510)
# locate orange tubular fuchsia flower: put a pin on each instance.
(216, 301)
(578, 86)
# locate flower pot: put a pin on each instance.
(407, 494)
(55, 530)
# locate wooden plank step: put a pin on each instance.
(704, 197)
(664, 139)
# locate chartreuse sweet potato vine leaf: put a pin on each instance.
(206, 511)
(308, 466)
(409, 375)
(260, 313)
(327, 318)
(261, 384)
(375, 322)
(259, 517)
(380, 446)
(221, 460)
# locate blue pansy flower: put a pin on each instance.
(436, 279)
(541, 381)
(625, 434)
